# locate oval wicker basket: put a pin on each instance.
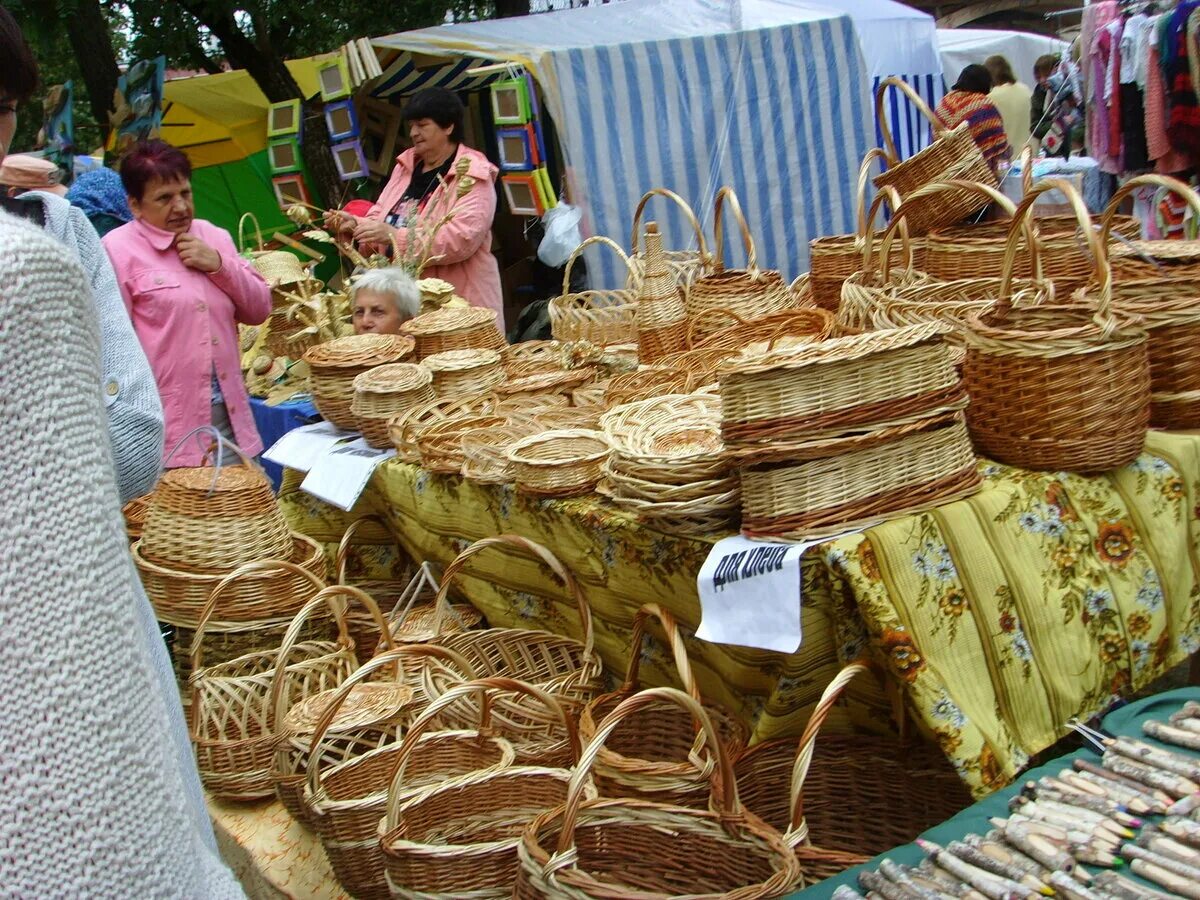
(462, 373)
(404, 428)
(485, 452)
(646, 382)
(386, 391)
(334, 365)
(454, 328)
(440, 444)
(531, 386)
(558, 463)
(600, 317)
(787, 327)
(532, 358)
(685, 265)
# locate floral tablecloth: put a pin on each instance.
(999, 617)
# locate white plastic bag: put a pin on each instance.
(561, 225)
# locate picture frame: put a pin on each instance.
(284, 156)
(350, 160)
(523, 194)
(510, 101)
(290, 189)
(334, 78)
(283, 119)
(342, 120)
(380, 124)
(517, 148)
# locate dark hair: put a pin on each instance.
(440, 105)
(148, 160)
(1045, 64)
(1000, 70)
(975, 79)
(18, 69)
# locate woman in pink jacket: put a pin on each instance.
(463, 246)
(186, 288)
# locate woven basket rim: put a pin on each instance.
(359, 350)
(564, 434)
(544, 381)
(836, 350)
(461, 360)
(448, 319)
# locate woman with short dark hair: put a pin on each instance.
(424, 183)
(968, 102)
(186, 289)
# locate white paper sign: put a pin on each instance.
(301, 447)
(339, 476)
(750, 594)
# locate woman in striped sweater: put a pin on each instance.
(968, 102)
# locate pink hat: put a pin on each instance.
(31, 173)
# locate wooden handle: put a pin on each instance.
(891, 197)
(688, 213)
(727, 194)
(864, 181)
(242, 234)
(674, 639)
(938, 128)
(578, 251)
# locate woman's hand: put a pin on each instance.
(373, 231)
(341, 222)
(195, 254)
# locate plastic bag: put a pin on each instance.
(561, 225)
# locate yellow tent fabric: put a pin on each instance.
(222, 118)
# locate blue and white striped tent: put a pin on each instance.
(768, 96)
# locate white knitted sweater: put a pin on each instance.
(94, 802)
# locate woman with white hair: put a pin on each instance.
(383, 300)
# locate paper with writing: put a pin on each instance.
(301, 447)
(340, 474)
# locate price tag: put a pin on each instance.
(339, 476)
(301, 447)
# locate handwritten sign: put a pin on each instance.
(301, 447)
(750, 594)
(340, 475)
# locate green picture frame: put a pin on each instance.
(510, 102)
(283, 119)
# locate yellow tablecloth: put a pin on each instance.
(1001, 616)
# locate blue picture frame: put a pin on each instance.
(517, 149)
(342, 120)
(350, 160)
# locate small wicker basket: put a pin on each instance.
(558, 463)
(384, 392)
(600, 317)
(334, 365)
(454, 328)
(462, 373)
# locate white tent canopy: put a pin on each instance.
(767, 96)
(962, 46)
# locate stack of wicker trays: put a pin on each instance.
(469, 328)
(384, 392)
(334, 365)
(847, 432)
(668, 465)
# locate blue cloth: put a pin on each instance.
(100, 192)
(274, 422)
(974, 819)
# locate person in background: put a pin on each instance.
(383, 300)
(101, 196)
(21, 172)
(425, 172)
(1052, 110)
(968, 102)
(186, 288)
(1012, 98)
(135, 416)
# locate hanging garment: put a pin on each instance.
(1183, 124)
(1135, 157)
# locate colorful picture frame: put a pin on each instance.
(284, 156)
(380, 125)
(350, 160)
(283, 119)
(334, 78)
(510, 102)
(523, 194)
(290, 189)
(342, 120)
(517, 148)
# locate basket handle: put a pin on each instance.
(257, 567)
(485, 687)
(723, 787)
(578, 251)
(1159, 181)
(552, 563)
(864, 179)
(688, 213)
(797, 827)
(242, 232)
(1026, 168)
(891, 197)
(324, 597)
(724, 194)
(682, 665)
(938, 128)
(1021, 221)
(695, 320)
(390, 658)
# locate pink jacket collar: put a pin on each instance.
(480, 167)
(156, 237)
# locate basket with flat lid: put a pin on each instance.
(334, 365)
(458, 373)
(454, 328)
(386, 391)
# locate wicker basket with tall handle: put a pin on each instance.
(598, 316)
(1058, 387)
(953, 155)
(1168, 303)
(625, 848)
(685, 265)
(458, 837)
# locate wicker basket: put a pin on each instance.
(334, 365)
(1058, 388)
(611, 848)
(531, 386)
(532, 358)
(898, 474)
(404, 427)
(134, 512)
(700, 362)
(661, 314)
(646, 382)
(750, 293)
(179, 595)
(557, 418)
(953, 155)
(440, 444)
(814, 791)
(485, 452)
(788, 327)
(384, 392)
(454, 328)
(558, 463)
(462, 373)
(1168, 304)
(600, 317)
(458, 837)
(233, 705)
(659, 756)
(685, 265)
(289, 331)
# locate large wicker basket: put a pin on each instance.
(685, 265)
(952, 155)
(334, 365)
(384, 392)
(600, 317)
